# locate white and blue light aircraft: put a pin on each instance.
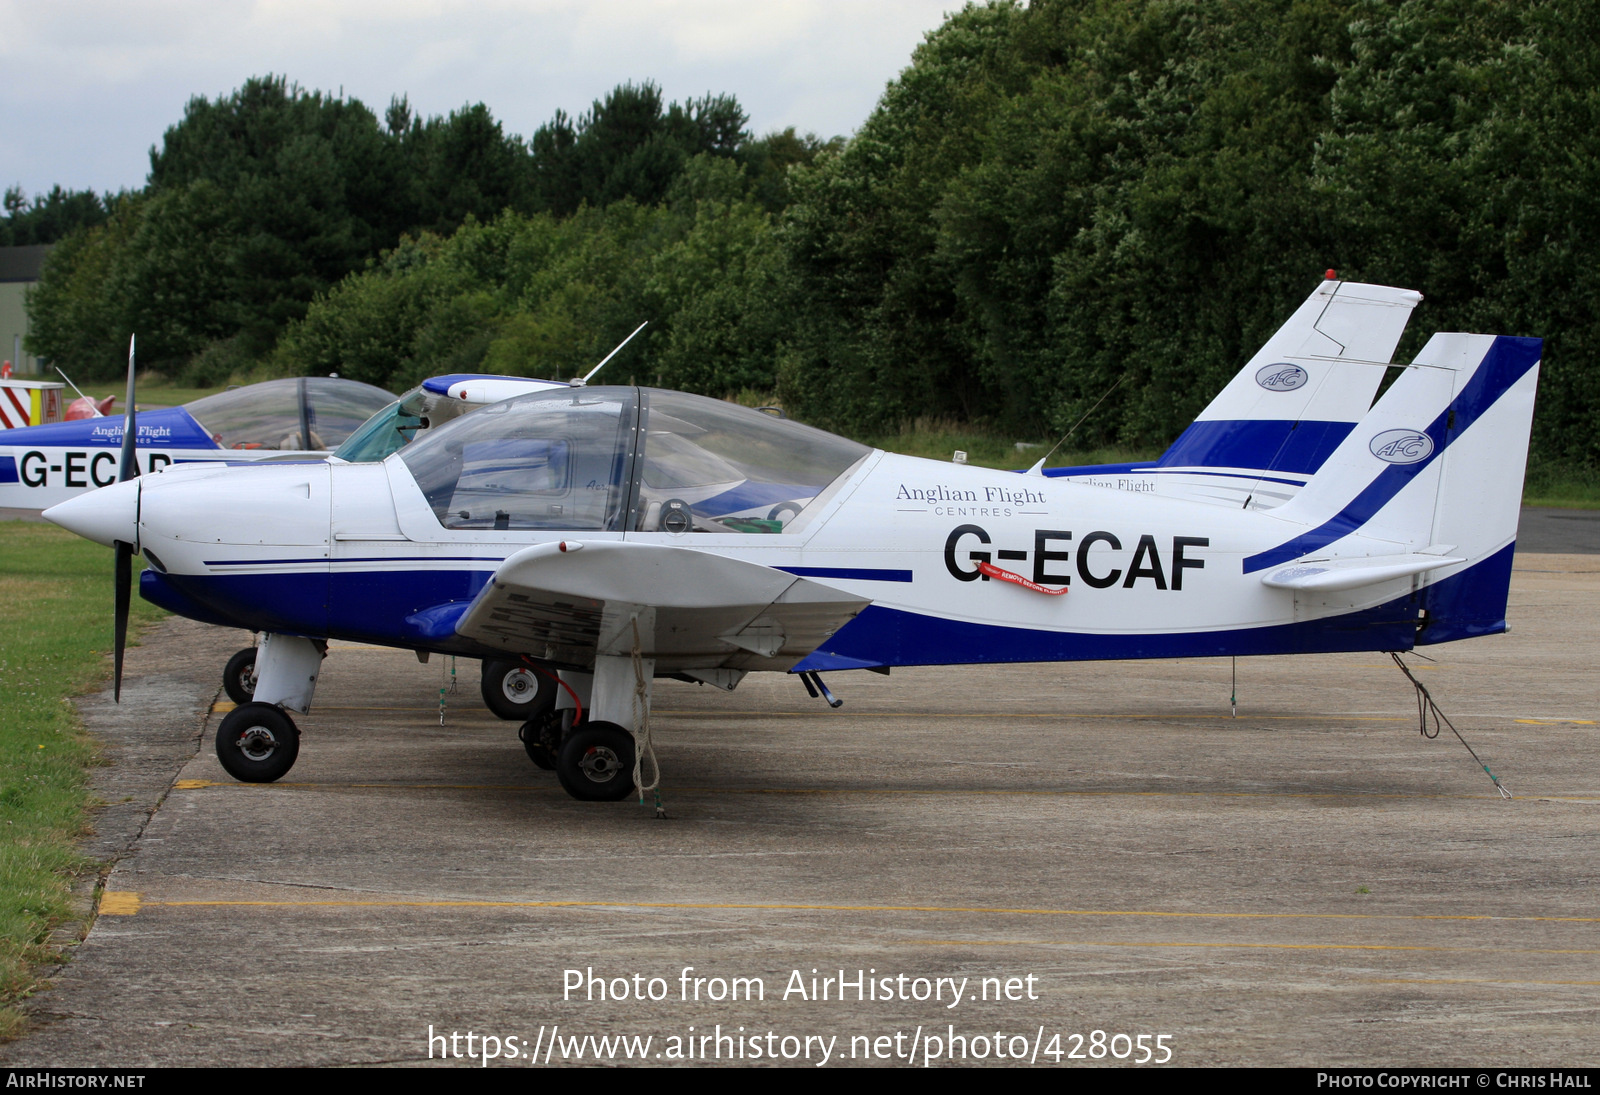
(41, 466)
(610, 536)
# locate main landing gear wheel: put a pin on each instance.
(541, 737)
(239, 679)
(514, 691)
(257, 743)
(596, 763)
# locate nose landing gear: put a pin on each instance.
(257, 743)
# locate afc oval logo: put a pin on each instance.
(1401, 446)
(1281, 377)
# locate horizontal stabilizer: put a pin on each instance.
(1332, 575)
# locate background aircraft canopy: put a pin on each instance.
(429, 405)
(308, 412)
(625, 459)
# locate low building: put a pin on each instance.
(19, 270)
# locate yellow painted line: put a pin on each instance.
(1225, 946)
(433, 709)
(199, 784)
(119, 903)
(1464, 981)
(422, 903)
(1171, 716)
(224, 706)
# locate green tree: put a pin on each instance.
(1463, 155)
(548, 297)
(461, 166)
(629, 145)
(78, 317)
(51, 216)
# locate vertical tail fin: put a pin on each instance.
(1297, 398)
(1435, 469)
(1291, 405)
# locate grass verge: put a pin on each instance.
(1561, 485)
(150, 394)
(941, 440)
(55, 626)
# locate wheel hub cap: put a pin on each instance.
(257, 743)
(600, 764)
(520, 686)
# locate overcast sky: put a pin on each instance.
(87, 87)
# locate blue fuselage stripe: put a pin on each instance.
(1269, 444)
(1469, 603)
(1244, 445)
(365, 559)
(1151, 469)
(376, 607)
(855, 574)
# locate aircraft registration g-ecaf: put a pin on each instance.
(609, 536)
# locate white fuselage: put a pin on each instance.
(352, 550)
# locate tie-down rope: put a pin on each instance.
(642, 746)
(1426, 707)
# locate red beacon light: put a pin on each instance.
(1331, 275)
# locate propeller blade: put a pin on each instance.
(130, 458)
(123, 575)
(124, 585)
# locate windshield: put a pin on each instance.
(624, 459)
(298, 413)
(554, 460)
(385, 432)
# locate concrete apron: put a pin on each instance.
(1095, 847)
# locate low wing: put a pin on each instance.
(568, 602)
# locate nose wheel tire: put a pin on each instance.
(257, 743)
(513, 691)
(239, 679)
(596, 763)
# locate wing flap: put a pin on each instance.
(568, 602)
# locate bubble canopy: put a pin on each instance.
(622, 459)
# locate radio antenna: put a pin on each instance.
(79, 390)
(1038, 469)
(581, 381)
